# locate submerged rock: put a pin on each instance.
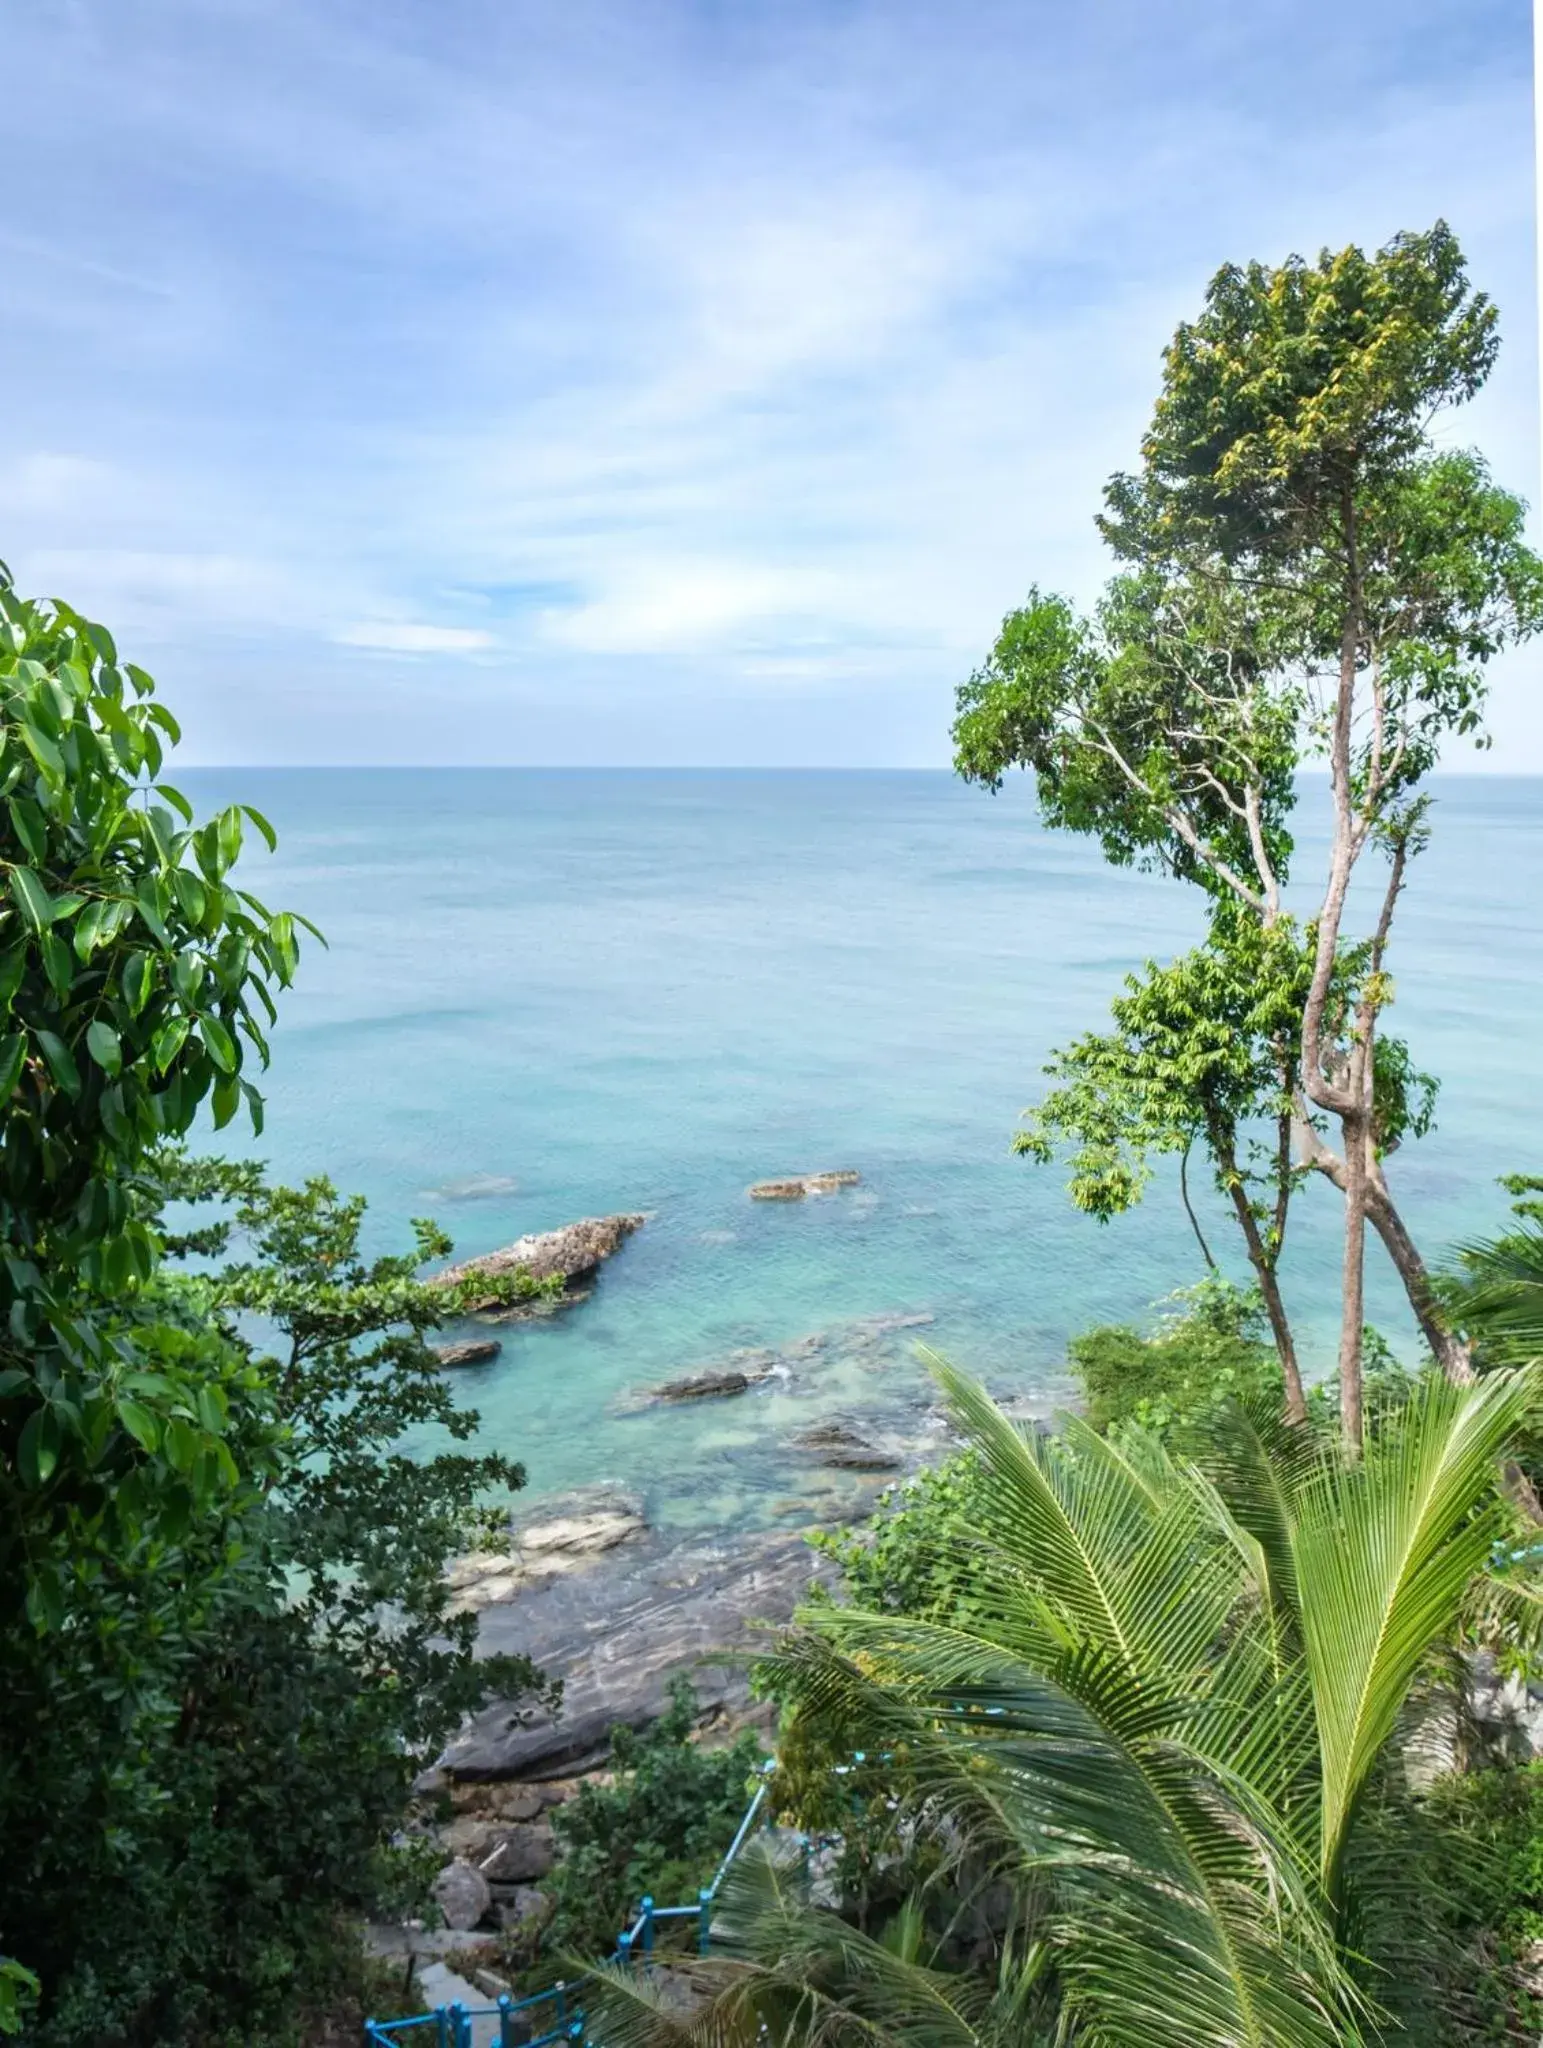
(473, 1351)
(801, 1184)
(571, 1254)
(838, 1444)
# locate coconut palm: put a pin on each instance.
(1165, 1717)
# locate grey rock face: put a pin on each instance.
(839, 1444)
(522, 1855)
(714, 1384)
(462, 1895)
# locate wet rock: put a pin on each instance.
(461, 1894)
(847, 1449)
(473, 1351)
(795, 1188)
(523, 1902)
(718, 1382)
(571, 1254)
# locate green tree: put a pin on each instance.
(1306, 576)
(189, 1819)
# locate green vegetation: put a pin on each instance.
(657, 1830)
(224, 1650)
(1305, 575)
(1156, 1762)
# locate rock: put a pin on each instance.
(571, 1253)
(523, 1854)
(838, 1444)
(471, 1837)
(473, 1351)
(617, 1634)
(713, 1384)
(462, 1895)
(523, 1903)
(801, 1184)
(570, 1533)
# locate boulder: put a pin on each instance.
(570, 1254)
(473, 1351)
(461, 1894)
(523, 1855)
(524, 1902)
(801, 1184)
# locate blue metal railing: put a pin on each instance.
(454, 2022)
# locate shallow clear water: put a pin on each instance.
(556, 994)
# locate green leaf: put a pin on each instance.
(13, 1052)
(267, 831)
(57, 964)
(29, 825)
(13, 965)
(168, 1042)
(31, 898)
(138, 979)
(140, 1424)
(104, 1046)
(254, 1104)
(220, 1044)
(61, 1061)
(181, 1441)
(37, 1452)
(191, 894)
(151, 898)
(225, 1100)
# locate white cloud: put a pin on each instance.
(392, 637)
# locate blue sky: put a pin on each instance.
(623, 381)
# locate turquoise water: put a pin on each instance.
(555, 994)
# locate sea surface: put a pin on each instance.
(551, 994)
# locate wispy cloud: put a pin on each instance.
(644, 379)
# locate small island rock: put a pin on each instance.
(801, 1184)
(473, 1351)
(571, 1254)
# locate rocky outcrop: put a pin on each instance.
(571, 1254)
(563, 1536)
(617, 1634)
(474, 1351)
(801, 1184)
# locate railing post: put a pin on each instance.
(648, 1925)
(460, 2026)
(704, 1920)
(442, 2027)
(560, 1994)
(505, 2021)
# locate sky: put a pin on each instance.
(650, 382)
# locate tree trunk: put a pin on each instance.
(1264, 1264)
(1353, 1289)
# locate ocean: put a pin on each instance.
(551, 994)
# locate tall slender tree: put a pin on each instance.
(1306, 577)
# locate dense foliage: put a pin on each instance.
(224, 1650)
(1156, 1759)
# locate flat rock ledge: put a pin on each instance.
(572, 1254)
(565, 1536)
(617, 1633)
(798, 1185)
